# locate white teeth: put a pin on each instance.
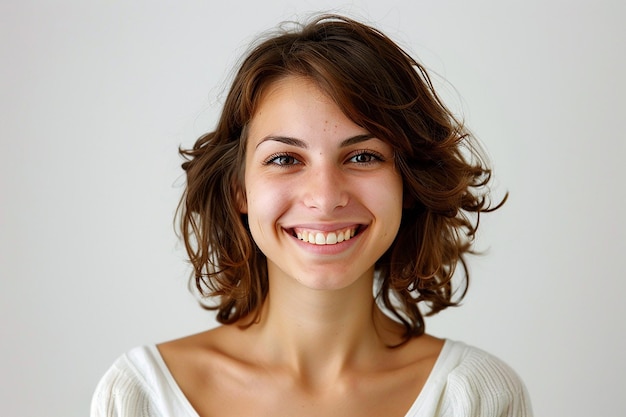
(319, 238)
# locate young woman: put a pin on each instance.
(330, 206)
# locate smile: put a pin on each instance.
(317, 237)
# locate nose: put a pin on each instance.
(325, 189)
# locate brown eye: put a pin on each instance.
(365, 158)
(282, 160)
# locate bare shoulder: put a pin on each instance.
(425, 347)
(195, 356)
(415, 359)
(208, 366)
(418, 355)
(203, 340)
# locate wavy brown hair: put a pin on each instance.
(382, 89)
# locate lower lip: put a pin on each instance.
(335, 249)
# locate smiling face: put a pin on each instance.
(323, 197)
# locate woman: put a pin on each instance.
(333, 201)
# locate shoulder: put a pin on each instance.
(219, 345)
(138, 384)
(123, 390)
(480, 384)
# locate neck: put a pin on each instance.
(319, 333)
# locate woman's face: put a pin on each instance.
(323, 197)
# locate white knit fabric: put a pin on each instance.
(465, 382)
(468, 382)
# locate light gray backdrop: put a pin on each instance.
(96, 96)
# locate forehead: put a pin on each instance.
(297, 106)
(284, 92)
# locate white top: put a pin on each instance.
(465, 382)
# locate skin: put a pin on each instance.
(321, 346)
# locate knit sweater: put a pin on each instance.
(465, 382)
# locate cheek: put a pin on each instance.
(387, 202)
(265, 202)
(388, 193)
(265, 206)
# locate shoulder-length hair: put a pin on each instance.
(382, 89)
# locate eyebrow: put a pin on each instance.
(302, 144)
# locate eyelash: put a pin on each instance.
(271, 160)
(374, 157)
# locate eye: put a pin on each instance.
(281, 159)
(366, 157)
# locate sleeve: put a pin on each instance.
(120, 393)
(484, 386)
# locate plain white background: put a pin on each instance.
(96, 97)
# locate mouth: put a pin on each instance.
(319, 237)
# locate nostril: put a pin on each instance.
(325, 190)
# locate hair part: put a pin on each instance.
(382, 89)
